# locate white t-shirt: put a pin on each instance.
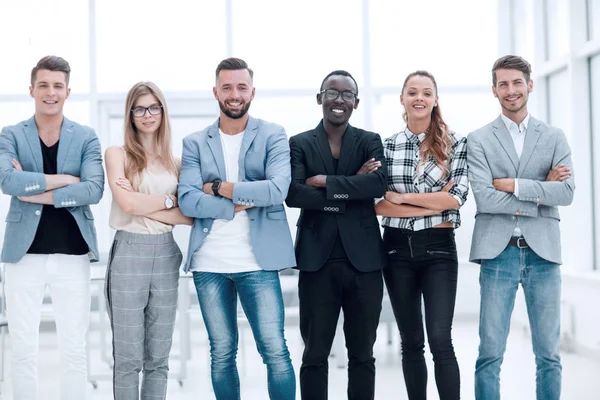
(227, 248)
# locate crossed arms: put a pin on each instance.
(196, 197)
(58, 190)
(495, 196)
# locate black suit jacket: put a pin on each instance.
(345, 204)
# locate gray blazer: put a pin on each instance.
(491, 155)
(78, 155)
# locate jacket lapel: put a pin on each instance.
(506, 141)
(324, 149)
(33, 138)
(214, 143)
(348, 142)
(65, 139)
(532, 135)
(249, 136)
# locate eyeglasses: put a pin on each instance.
(333, 94)
(139, 112)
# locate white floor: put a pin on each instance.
(581, 376)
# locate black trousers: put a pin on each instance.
(424, 264)
(338, 285)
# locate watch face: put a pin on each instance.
(168, 202)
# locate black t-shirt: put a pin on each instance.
(338, 253)
(57, 232)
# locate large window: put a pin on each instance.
(593, 10)
(556, 28)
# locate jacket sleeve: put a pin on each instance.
(91, 188)
(302, 195)
(13, 182)
(273, 190)
(193, 202)
(364, 186)
(552, 193)
(488, 199)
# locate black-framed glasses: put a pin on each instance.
(333, 94)
(154, 109)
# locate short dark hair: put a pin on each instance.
(511, 62)
(51, 63)
(232, 64)
(340, 72)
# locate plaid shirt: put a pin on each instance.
(402, 160)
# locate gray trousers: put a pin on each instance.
(141, 291)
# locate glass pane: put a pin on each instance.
(524, 23)
(35, 28)
(411, 35)
(595, 112)
(298, 47)
(558, 93)
(171, 47)
(593, 19)
(557, 28)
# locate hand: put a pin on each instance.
(448, 186)
(558, 173)
(73, 179)
(394, 197)
(124, 184)
(17, 165)
(318, 181)
(207, 188)
(239, 207)
(504, 185)
(369, 167)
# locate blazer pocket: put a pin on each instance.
(550, 212)
(13, 216)
(369, 222)
(276, 214)
(88, 214)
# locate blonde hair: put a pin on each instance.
(136, 159)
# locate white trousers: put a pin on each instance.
(68, 278)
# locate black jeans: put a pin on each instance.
(338, 285)
(424, 263)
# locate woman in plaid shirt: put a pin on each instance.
(427, 184)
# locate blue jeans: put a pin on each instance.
(261, 299)
(499, 280)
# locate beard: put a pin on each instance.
(236, 114)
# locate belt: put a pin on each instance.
(519, 242)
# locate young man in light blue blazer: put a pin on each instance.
(235, 176)
(52, 169)
(520, 171)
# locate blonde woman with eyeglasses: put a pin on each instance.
(143, 269)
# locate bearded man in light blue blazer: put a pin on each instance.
(52, 169)
(520, 170)
(235, 176)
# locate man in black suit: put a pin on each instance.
(336, 174)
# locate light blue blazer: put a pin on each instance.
(264, 180)
(79, 155)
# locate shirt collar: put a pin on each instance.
(508, 122)
(412, 137)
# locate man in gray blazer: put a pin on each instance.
(520, 171)
(52, 169)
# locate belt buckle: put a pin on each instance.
(519, 243)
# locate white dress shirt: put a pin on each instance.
(517, 132)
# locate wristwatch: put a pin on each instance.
(216, 185)
(168, 202)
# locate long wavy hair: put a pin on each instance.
(136, 159)
(437, 142)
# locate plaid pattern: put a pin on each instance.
(402, 160)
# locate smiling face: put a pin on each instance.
(337, 111)
(148, 123)
(419, 97)
(234, 92)
(512, 90)
(49, 91)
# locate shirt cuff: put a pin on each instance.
(516, 191)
